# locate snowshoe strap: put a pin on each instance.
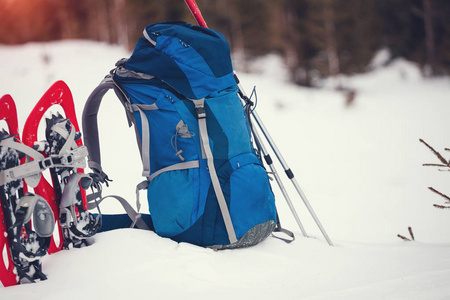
(34, 268)
(74, 158)
(31, 171)
(28, 151)
(69, 137)
(88, 230)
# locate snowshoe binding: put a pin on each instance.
(76, 221)
(65, 158)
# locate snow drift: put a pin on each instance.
(359, 165)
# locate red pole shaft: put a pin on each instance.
(196, 12)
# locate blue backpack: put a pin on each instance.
(206, 182)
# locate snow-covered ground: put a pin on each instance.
(359, 165)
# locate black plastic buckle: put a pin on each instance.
(201, 112)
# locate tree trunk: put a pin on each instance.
(429, 37)
(120, 9)
(330, 32)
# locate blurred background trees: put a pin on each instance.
(316, 38)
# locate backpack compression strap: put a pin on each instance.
(201, 115)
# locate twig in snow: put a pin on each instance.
(411, 233)
(405, 238)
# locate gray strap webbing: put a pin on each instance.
(28, 151)
(144, 184)
(134, 215)
(145, 147)
(201, 113)
(90, 125)
(69, 137)
(22, 171)
(145, 138)
(137, 107)
(141, 186)
(30, 170)
(180, 166)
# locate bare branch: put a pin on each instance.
(434, 165)
(439, 193)
(439, 156)
(441, 206)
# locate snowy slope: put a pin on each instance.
(360, 166)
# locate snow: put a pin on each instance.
(359, 165)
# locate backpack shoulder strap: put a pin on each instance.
(90, 124)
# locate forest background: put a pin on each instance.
(315, 38)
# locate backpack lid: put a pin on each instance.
(193, 60)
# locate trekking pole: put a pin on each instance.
(269, 162)
(196, 12)
(286, 168)
(290, 174)
(198, 16)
